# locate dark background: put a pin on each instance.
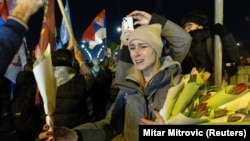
(236, 15)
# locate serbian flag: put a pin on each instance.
(4, 10)
(96, 31)
(47, 34)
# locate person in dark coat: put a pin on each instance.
(100, 90)
(71, 98)
(201, 53)
(7, 129)
(26, 108)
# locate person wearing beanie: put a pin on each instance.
(149, 34)
(194, 20)
(201, 53)
(143, 80)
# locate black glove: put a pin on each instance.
(220, 30)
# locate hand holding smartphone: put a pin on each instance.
(128, 23)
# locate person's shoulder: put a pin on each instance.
(25, 77)
(78, 80)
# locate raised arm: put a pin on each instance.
(14, 29)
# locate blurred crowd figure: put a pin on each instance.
(244, 61)
(71, 96)
(100, 91)
(7, 130)
(26, 107)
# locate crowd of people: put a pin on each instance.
(150, 56)
(244, 61)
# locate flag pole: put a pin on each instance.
(67, 23)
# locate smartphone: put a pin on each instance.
(128, 23)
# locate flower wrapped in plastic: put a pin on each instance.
(189, 101)
(46, 82)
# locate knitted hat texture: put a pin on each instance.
(150, 34)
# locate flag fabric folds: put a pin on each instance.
(96, 31)
(64, 34)
(17, 64)
(19, 60)
(47, 34)
(4, 10)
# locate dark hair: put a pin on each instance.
(196, 16)
(29, 64)
(62, 57)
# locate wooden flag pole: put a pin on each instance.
(67, 24)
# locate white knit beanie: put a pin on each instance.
(150, 34)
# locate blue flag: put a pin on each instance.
(64, 34)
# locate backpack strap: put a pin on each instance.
(210, 49)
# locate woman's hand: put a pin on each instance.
(159, 120)
(141, 17)
(124, 36)
(59, 134)
(46, 134)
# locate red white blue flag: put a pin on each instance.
(96, 31)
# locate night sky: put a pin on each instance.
(236, 15)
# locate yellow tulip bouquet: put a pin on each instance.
(190, 101)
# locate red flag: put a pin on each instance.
(4, 10)
(47, 34)
(97, 23)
